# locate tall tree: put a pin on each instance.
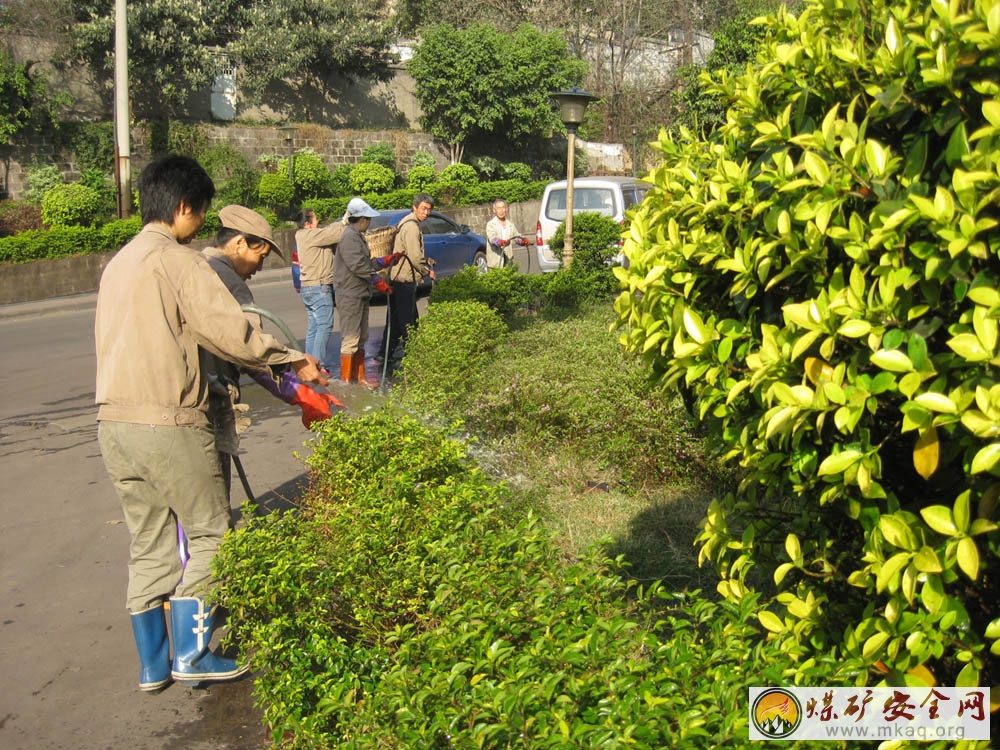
(308, 42)
(177, 47)
(480, 81)
(169, 47)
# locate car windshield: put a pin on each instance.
(595, 199)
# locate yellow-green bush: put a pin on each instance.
(820, 278)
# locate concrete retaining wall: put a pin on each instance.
(45, 279)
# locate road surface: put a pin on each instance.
(67, 656)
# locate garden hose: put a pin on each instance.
(293, 342)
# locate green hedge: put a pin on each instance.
(415, 603)
(62, 242)
(820, 279)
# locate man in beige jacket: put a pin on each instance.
(161, 311)
(401, 306)
(316, 246)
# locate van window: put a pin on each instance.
(592, 199)
(633, 194)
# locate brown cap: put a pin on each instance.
(248, 221)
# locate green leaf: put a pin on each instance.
(873, 646)
(793, 549)
(937, 402)
(896, 531)
(838, 463)
(986, 458)
(968, 677)
(939, 518)
(968, 557)
(926, 561)
(968, 346)
(890, 570)
(892, 360)
(854, 329)
(771, 621)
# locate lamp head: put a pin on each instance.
(572, 106)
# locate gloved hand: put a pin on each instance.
(521, 241)
(380, 285)
(315, 406)
(501, 243)
(387, 260)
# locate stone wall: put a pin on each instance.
(335, 147)
(45, 279)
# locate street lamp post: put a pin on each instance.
(572, 106)
(288, 131)
(635, 151)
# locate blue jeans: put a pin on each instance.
(319, 314)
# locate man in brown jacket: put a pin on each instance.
(161, 310)
(401, 307)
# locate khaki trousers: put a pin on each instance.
(166, 474)
(353, 323)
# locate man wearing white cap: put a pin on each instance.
(355, 272)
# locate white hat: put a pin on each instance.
(358, 208)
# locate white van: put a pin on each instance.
(608, 196)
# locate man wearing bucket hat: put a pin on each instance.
(238, 252)
(355, 272)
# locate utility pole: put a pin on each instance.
(123, 149)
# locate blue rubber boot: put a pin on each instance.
(150, 630)
(192, 621)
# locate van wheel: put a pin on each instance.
(479, 262)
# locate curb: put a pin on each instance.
(88, 300)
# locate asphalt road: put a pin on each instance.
(67, 658)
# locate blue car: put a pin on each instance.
(449, 245)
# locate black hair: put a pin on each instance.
(225, 234)
(303, 216)
(169, 181)
(422, 198)
(356, 219)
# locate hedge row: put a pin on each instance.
(413, 602)
(62, 242)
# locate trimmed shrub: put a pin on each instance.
(340, 181)
(512, 191)
(275, 190)
(117, 233)
(39, 180)
(311, 178)
(371, 178)
(462, 336)
(415, 603)
(502, 289)
(597, 240)
(515, 170)
(820, 279)
(59, 242)
(419, 178)
(71, 205)
(402, 198)
(423, 159)
(380, 153)
(458, 174)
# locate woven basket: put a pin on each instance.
(381, 240)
